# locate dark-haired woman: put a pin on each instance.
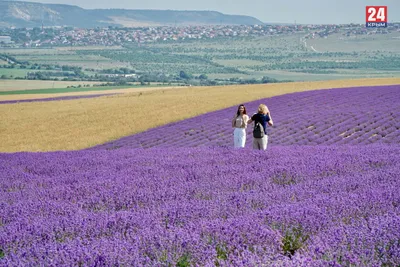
(239, 122)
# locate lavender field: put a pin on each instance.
(293, 206)
(360, 115)
(325, 193)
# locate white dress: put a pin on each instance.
(239, 134)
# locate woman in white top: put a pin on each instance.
(239, 122)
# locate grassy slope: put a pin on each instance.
(16, 85)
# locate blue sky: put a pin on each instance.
(281, 11)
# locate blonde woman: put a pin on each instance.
(262, 117)
(239, 122)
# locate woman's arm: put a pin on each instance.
(245, 121)
(234, 121)
(270, 122)
(251, 119)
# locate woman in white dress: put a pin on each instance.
(239, 122)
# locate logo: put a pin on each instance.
(376, 16)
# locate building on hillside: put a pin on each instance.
(130, 75)
(31, 76)
(5, 39)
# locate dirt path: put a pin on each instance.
(315, 50)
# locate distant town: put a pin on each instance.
(111, 36)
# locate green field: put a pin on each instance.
(16, 85)
(64, 56)
(85, 61)
(35, 51)
(22, 73)
(293, 76)
(282, 57)
(385, 43)
(14, 72)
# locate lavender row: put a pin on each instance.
(53, 98)
(292, 206)
(361, 115)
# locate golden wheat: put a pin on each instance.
(81, 123)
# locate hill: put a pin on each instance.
(29, 14)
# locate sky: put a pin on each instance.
(273, 11)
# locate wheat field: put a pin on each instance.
(82, 123)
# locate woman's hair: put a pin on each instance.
(238, 112)
(262, 109)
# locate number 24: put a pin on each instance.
(372, 13)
